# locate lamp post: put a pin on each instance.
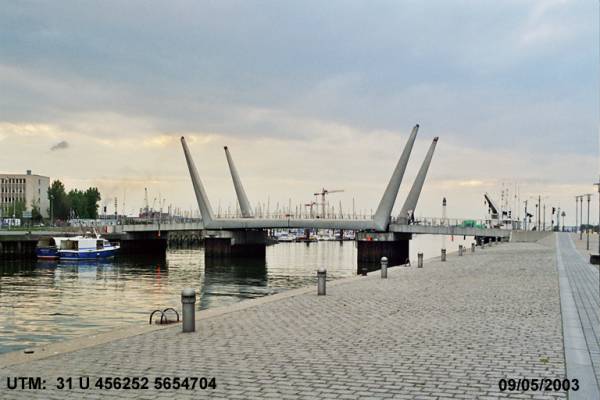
(587, 228)
(539, 207)
(598, 184)
(544, 226)
(580, 217)
(576, 215)
(444, 223)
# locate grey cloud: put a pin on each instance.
(459, 69)
(60, 146)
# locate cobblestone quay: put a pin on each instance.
(450, 330)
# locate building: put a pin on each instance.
(29, 189)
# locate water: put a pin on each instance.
(42, 302)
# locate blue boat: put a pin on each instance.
(86, 248)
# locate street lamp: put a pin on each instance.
(587, 228)
(598, 184)
(576, 214)
(580, 217)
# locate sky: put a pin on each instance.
(307, 95)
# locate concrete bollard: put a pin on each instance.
(420, 260)
(384, 265)
(443, 254)
(188, 306)
(321, 281)
(482, 244)
(473, 247)
(460, 250)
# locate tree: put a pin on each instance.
(16, 209)
(59, 202)
(76, 203)
(36, 215)
(92, 197)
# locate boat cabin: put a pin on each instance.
(50, 242)
(84, 244)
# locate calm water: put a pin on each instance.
(43, 302)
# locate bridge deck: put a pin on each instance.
(449, 230)
(417, 229)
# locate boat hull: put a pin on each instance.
(46, 253)
(87, 254)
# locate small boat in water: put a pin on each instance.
(86, 248)
(47, 247)
(286, 237)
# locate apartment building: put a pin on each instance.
(29, 188)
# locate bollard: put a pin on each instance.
(384, 264)
(420, 260)
(364, 271)
(460, 250)
(482, 244)
(321, 281)
(473, 247)
(443, 254)
(188, 306)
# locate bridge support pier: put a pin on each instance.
(374, 245)
(235, 243)
(141, 242)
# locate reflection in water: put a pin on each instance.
(47, 301)
(228, 280)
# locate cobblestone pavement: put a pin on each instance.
(447, 331)
(581, 244)
(585, 285)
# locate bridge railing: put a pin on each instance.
(300, 215)
(454, 222)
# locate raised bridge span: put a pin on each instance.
(381, 235)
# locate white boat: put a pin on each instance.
(286, 237)
(86, 248)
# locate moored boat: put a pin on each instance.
(286, 237)
(86, 248)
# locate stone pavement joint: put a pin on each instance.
(449, 330)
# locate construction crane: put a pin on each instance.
(322, 194)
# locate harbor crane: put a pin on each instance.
(323, 193)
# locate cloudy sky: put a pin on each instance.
(306, 94)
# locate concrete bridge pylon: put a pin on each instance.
(410, 204)
(239, 188)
